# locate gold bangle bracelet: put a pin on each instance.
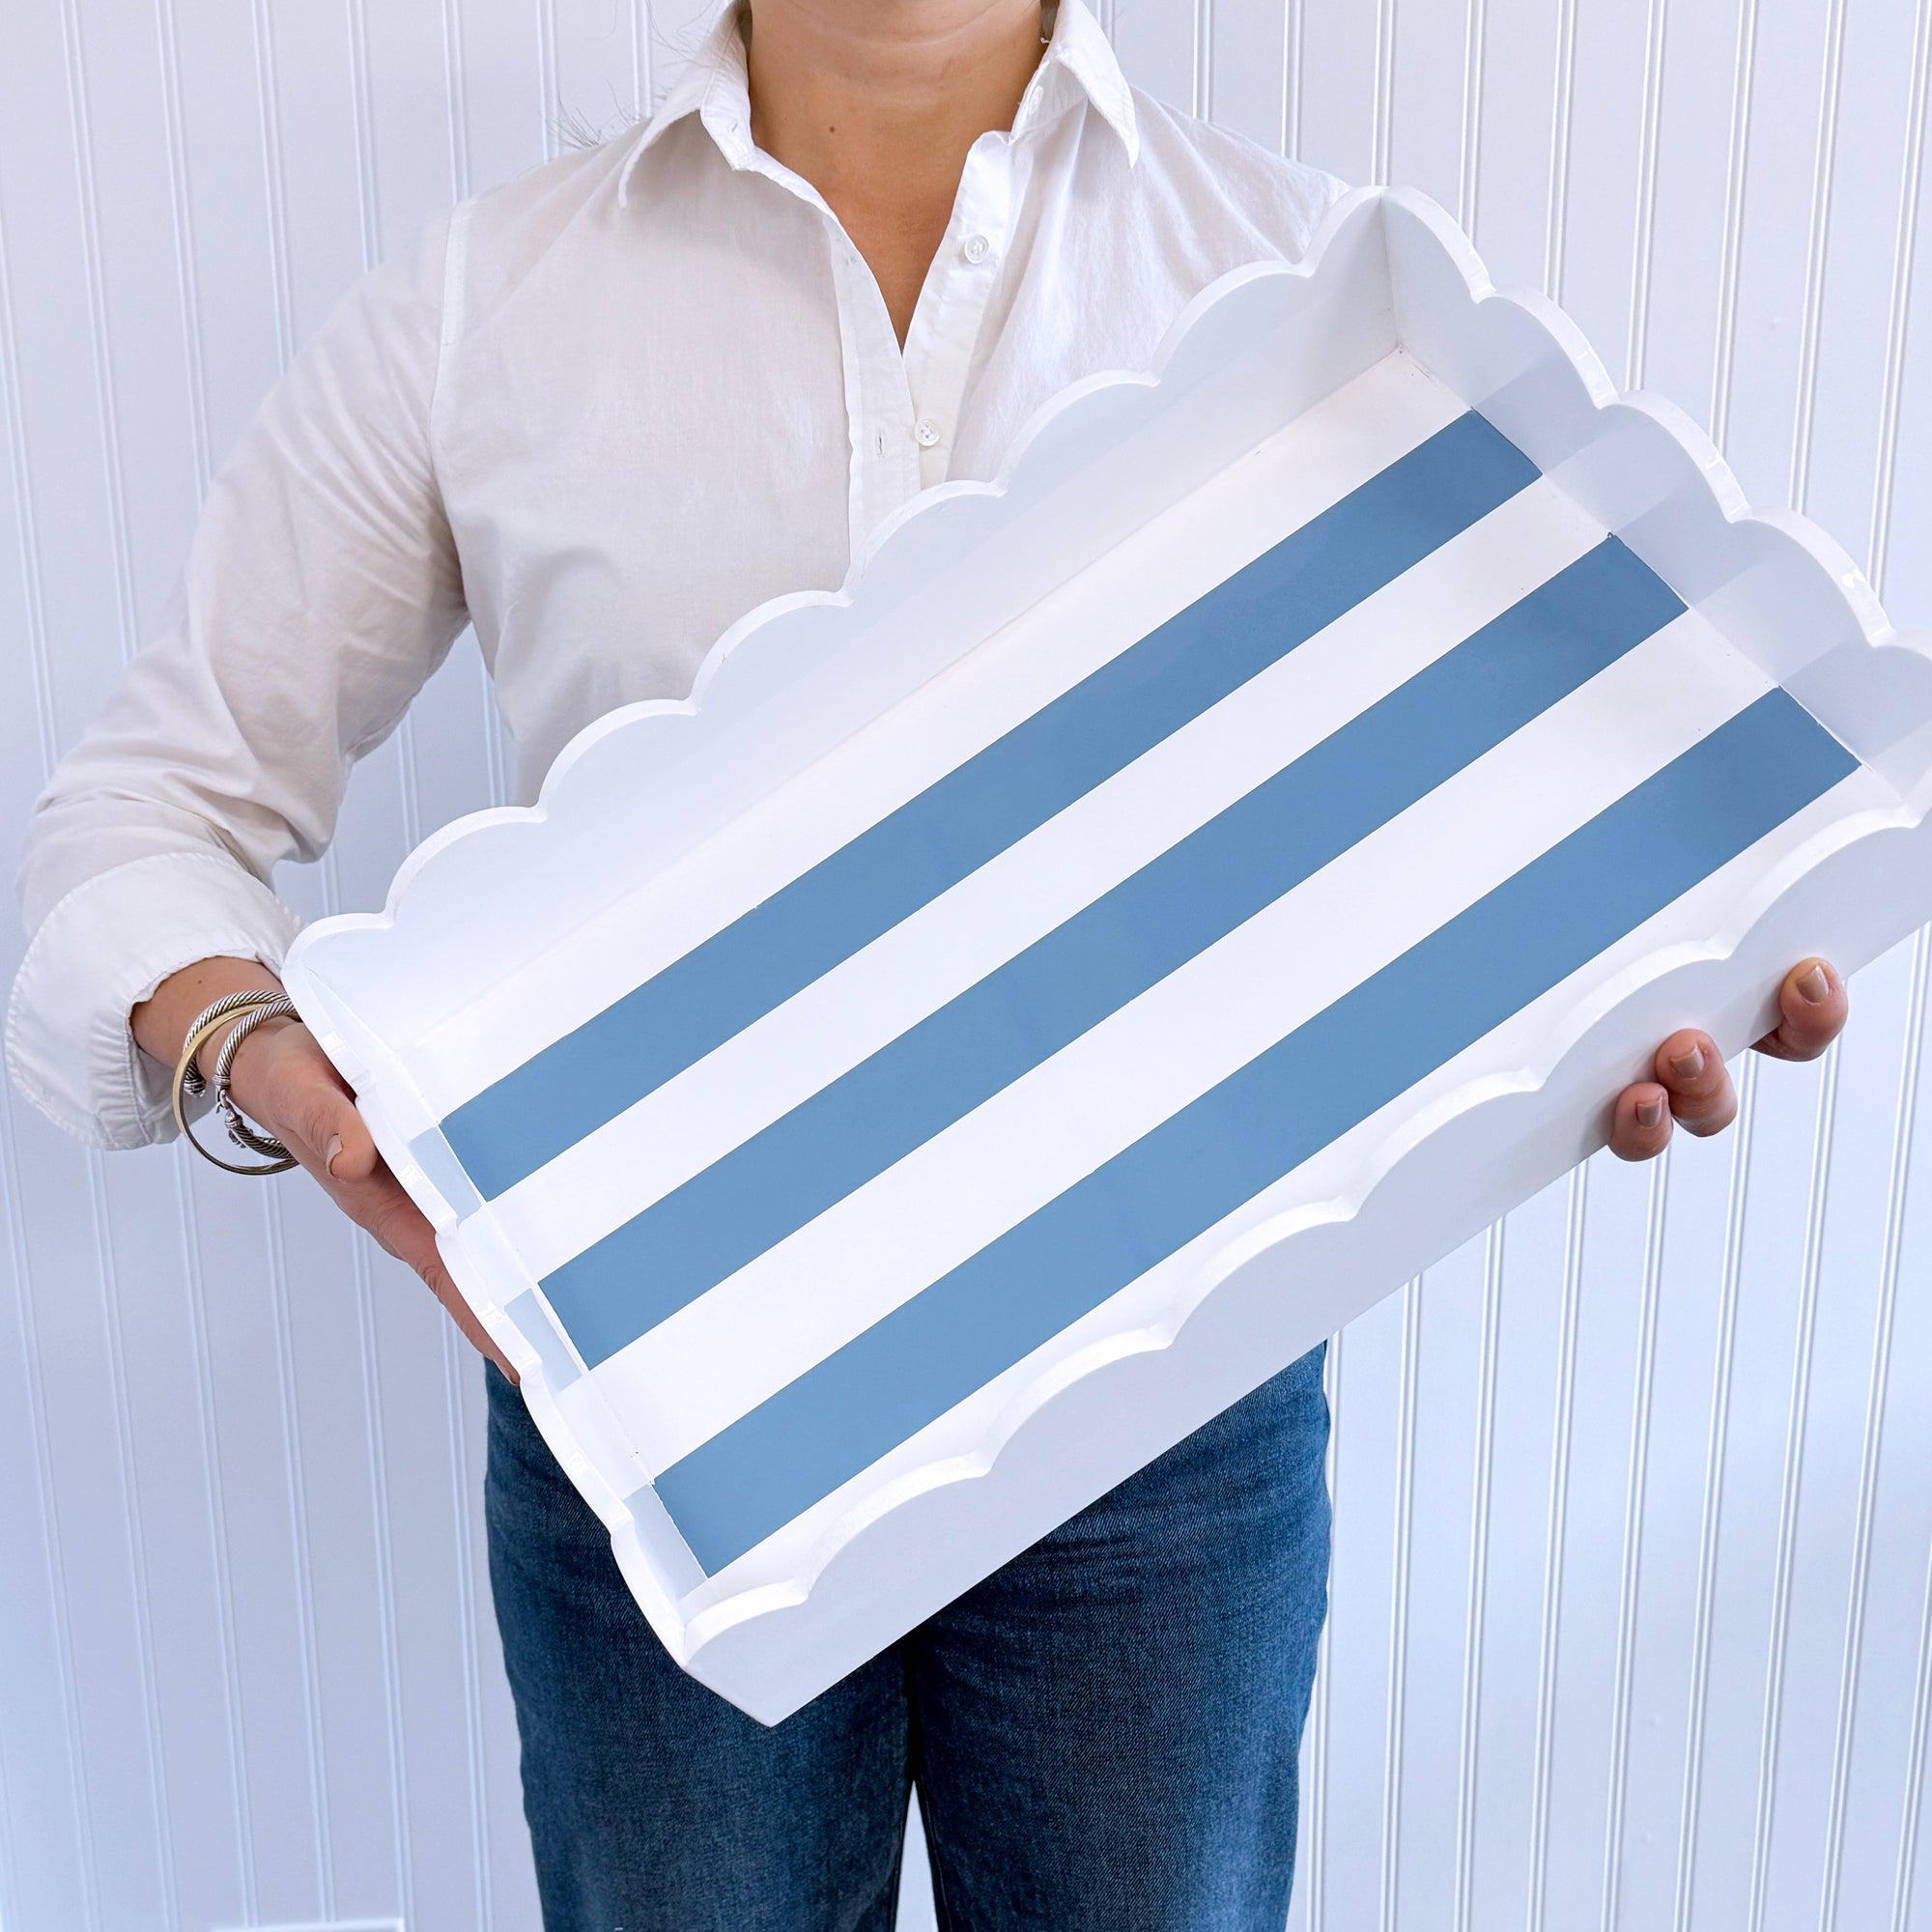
(210, 1023)
(229, 1007)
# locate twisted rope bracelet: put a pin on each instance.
(254, 1008)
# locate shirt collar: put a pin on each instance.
(1078, 65)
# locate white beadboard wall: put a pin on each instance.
(1633, 1587)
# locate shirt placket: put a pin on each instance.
(878, 404)
(953, 304)
(884, 465)
(902, 409)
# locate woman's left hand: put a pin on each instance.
(1692, 1087)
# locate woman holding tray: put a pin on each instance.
(598, 413)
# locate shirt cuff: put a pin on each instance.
(99, 952)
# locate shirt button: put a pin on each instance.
(977, 248)
(926, 432)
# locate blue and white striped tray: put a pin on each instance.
(1165, 899)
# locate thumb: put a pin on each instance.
(333, 1133)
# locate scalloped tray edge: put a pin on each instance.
(949, 1492)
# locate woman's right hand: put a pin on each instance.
(284, 1082)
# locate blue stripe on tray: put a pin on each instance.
(1178, 670)
(1198, 891)
(1512, 946)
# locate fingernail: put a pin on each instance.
(1814, 987)
(1649, 1112)
(334, 1149)
(1686, 1067)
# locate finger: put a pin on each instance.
(404, 1232)
(330, 1132)
(447, 1291)
(1812, 1006)
(314, 1113)
(1692, 1073)
(1640, 1122)
(324, 1130)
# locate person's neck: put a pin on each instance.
(875, 103)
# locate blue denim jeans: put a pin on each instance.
(1103, 1734)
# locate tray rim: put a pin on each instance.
(727, 664)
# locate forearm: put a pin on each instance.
(161, 1023)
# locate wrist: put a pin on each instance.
(235, 1015)
(248, 1063)
(161, 1023)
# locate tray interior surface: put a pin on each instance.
(796, 1133)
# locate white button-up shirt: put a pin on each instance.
(598, 413)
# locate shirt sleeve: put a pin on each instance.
(322, 588)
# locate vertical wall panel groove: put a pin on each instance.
(1820, 241)
(292, 1476)
(1789, 1494)
(1717, 1442)
(456, 96)
(180, 210)
(105, 399)
(1629, 1566)
(1469, 157)
(1555, 242)
(472, 1673)
(25, 536)
(1898, 317)
(547, 91)
(1398, 1650)
(643, 92)
(1292, 26)
(1636, 349)
(1737, 167)
(1469, 1734)
(368, 1360)
(1383, 137)
(275, 183)
(1576, 1224)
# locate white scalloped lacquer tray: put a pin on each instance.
(1167, 898)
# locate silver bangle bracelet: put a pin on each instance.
(239, 1130)
(194, 1081)
(211, 1019)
